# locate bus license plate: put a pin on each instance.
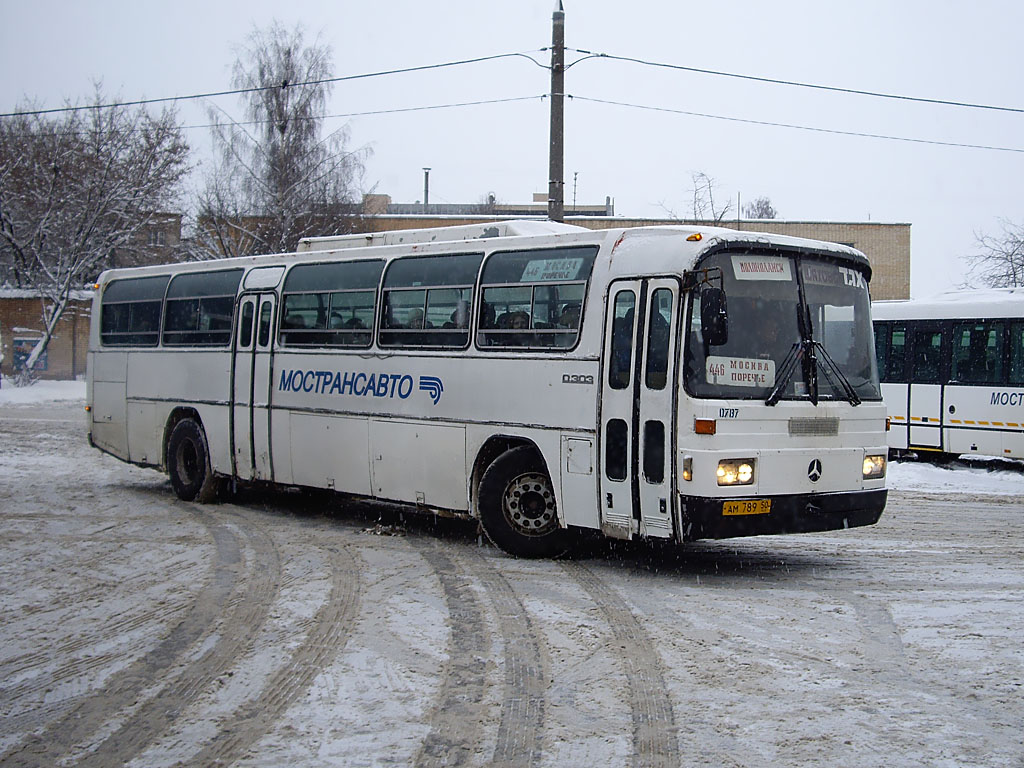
(747, 507)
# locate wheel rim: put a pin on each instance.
(188, 462)
(529, 505)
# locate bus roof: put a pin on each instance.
(624, 243)
(483, 230)
(967, 304)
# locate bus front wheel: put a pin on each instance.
(517, 506)
(188, 463)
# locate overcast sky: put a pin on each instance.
(644, 159)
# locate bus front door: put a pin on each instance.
(637, 397)
(927, 373)
(251, 388)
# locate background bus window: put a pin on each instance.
(977, 353)
(882, 331)
(895, 368)
(926, 356)
(1017, 354)
(620, 367)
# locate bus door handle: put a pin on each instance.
(609, 501)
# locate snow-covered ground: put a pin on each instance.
(41, 392)
(139, 630)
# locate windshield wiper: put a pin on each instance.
(808, 352)
(829, 365)
(786, 371)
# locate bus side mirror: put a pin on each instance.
(714, 317)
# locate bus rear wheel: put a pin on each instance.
(517, 506)
(188, 463)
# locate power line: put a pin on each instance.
(396, 110)
(368, 113)
(797, 127)
(285, 84)
(797, 84)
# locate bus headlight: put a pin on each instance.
(736, 472)
(874, 467)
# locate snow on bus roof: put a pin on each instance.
(969, 303)
(483, 230)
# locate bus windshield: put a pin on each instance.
(799, 327)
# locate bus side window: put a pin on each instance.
(882, 331)
(896, 364)
(926, 363)
(266, 321)
(658, 340)
(978, 353)
(534, 299)
(199, 308)
(428, 301)
(130, 312)
(1017, 354)
(245, 327)
(621, 358)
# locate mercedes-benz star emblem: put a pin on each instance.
(814, 470)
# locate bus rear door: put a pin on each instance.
(637, 396)
(251, 387)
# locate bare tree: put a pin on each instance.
(75, 190)
(999, 260)
(278, 179)
(760, 208)
(704, 206)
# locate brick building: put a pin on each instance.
(21, 325)
(887, 246)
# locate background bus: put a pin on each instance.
(668, 382)
(952, 371)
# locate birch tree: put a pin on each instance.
(277, 177)
(74, 190)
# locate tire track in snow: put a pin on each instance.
(331, 628)
(522, 707)
(227, 611)
(124, 687)
(655, 736)
(456, 720)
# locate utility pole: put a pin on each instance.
(556, 187)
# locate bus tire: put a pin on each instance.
(188, 463)
(517, 506)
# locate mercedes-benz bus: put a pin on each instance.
(669, 383)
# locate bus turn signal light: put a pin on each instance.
(704, 426)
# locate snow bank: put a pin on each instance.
(41, 392)
(954, 478)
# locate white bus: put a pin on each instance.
(663, 383)
(952, 371)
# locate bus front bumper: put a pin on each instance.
(702, 518)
